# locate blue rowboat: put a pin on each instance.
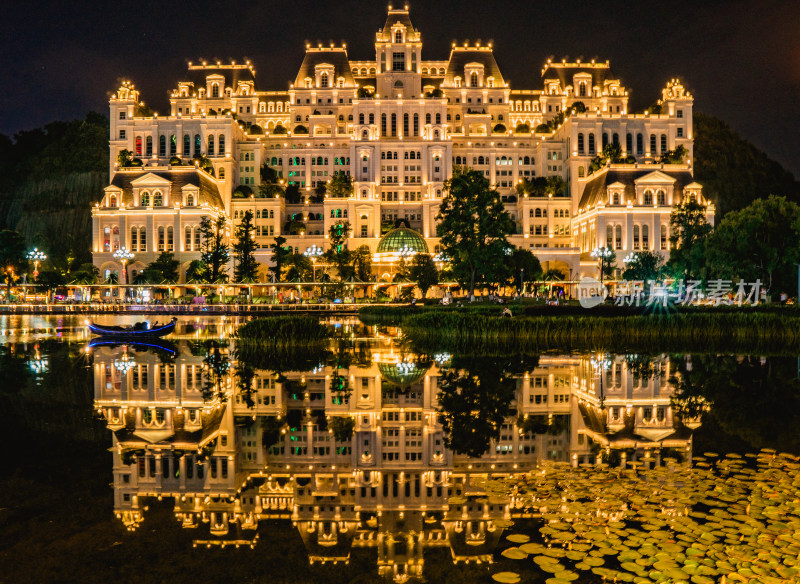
(140, 330)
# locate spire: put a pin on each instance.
(398, 18)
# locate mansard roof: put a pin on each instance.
(233, 74)
(460, 57)
(565, 72)
(177, 177)
(395, 16)
(595, 189)
(337, 57)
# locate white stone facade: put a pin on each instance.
(398, 124)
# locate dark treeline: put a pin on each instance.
(51, 176)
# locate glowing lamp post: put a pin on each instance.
(124, 256)
(603, 254)
(314, 253)
(36, 256)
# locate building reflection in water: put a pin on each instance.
(353, 451)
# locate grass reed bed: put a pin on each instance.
(283, 330)
(724, 332)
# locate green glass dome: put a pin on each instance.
(403, 374)
(402, 238)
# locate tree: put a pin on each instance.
(293, 195)
(760, 241)
(362, 263)
(473, 226)
(124, 158)
(213, 251)
(196, 271)
(246, 269)
(524, 267)
(689, 232)
(280, 256)
(342, 428)
(644, 265)
(86, 274)
(299, 268)
(12, 257)
(338, 254)
(341, 186)
(423, 271)
(608, 258)
(163, 269)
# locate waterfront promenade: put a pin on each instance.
(186, 309)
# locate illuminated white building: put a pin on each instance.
(397, 124)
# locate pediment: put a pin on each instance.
(150, 180)
(616, 185)
(655, 177)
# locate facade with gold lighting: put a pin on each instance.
(397, 124)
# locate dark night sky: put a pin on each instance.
(741, 59)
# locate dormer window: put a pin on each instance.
(144, 199)
(340, 82)
(473, 79)
(112, 200)
(158, 199)
(308, 82)
(615, 199)
(215, 90)
(490, 82)
(582, 89)
(457, 81)
(190, 200)
(323, 80)
(398, 36)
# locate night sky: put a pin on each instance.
(741, 60)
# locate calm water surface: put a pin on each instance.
(195, 460)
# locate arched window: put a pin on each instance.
(221, 145)
(158, 199)
(162, 145)
(112, 200)
(629, 143)
(636, 239)
(323, 80)
(427, 118)
(197, 144)
(652, 144)
(161, 238)
(581, 145)
(173, 145)
(142, 239)
(615, 199)
(190, 200)
(661, 198)
(398, 36)
(394, 124)
(610, 237)
(211, 144)
(187, 145)
(490, 82)
(457, 81)
(645, 237)
(383, 124)
(605, 139)
(364, 135)
(138, 145)
(615, 139)
(582, 89)
(581, 172)
(416, 124)
(361, 119)
(215, 90)
(592, 148)
(148, 146)
(197, 235)
(221, 174)
(473, 79)
(639, 144)
(134, 239)
(663, 237)
(537, 212)
(663, 143)
(618, 236)
(438, 118)
(648, 197)
(144, 199)
(187, 238)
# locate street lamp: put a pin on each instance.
(36, 256)
(124, 256)
(603, 254)
(313, 252)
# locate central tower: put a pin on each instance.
(398, 53)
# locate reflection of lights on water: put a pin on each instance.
(406, 368)
(38, 365)
(442, 358)
(124, 364)
(601, 362)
